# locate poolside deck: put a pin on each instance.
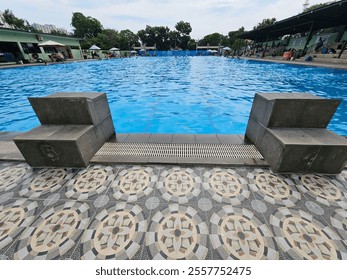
(300, 62)
(168, 211)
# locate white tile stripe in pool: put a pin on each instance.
(180, 150)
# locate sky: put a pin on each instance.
(205, 16)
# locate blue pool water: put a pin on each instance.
(171, 94)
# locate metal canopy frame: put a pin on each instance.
(332, 15)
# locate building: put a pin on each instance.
(48, 28)
(37, 26)
(18, 45)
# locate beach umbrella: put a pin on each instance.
(227, 49)
(114, 49)
(133, 51)
(51, 43)
(94, 48)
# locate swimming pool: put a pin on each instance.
(169, 94)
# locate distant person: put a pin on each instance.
(319, 44)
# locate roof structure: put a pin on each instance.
(332, 15)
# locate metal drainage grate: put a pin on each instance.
(179, 150)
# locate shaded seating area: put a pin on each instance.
(73, 128)
(307, 25)
(290, 130)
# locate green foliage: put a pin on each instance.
(233, 37)
(127, 39)
(214, 39)
(265, 22)
(184, 28)
(164, 38)
(156, 35)
(237, 45)
(181, 36)
(107, 38)
(56, 32)
(85, 27)
(17, 23)
(191, 44)
(316, 6)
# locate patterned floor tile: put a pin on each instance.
(90, 182)
(45, 181)
(323, 189)
(177, 232)
(342, 177)
(54, 232)
(226, 185)
(131, 184)
(179, 185)
(115, 233)
(303, 237)
(12, 174)
(152, 203)
(14, 218)
(6, 196)
(339, 222)
(236, 233)
(273, 188)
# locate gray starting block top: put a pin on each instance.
(71, 108)
(293, 110)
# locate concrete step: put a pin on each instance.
(330, 60)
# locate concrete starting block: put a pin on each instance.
(73, 128)
(289, 129)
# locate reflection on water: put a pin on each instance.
(169, 94)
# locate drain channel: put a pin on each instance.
(179, 150)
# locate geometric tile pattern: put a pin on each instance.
(179, 184)
(342, 177)
(339, 222)
(274, 188)
(322, 188)
(177, 232)
(304, 237)
(170, 212)
(226, 185)
(237, 234)
(90, 182)
(133, 183)
(45, 181)
(11, 175)
(54, 232)
(116, 233)
(14, 218)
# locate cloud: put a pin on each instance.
(205, 16)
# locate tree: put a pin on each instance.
(58, 32)
(265, 22)
(107, 39)
(214, 39)
(17, 23)
(85, 27)
(233, 35)
(192, 44)
(181, 35)
(127, 39)
(237, 45)
(316, 6)
(156, 35)
(183, 28)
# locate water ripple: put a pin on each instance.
(171, 94)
